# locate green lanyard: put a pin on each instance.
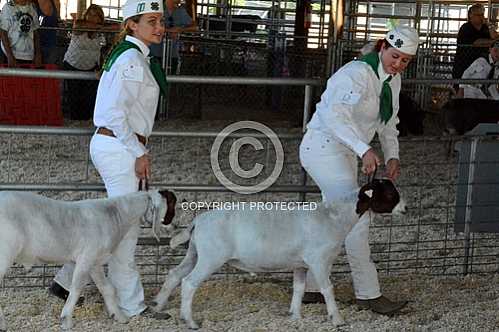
(385, 104)
(154, 64)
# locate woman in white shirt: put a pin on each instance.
(83, 54)
(483, 68)
(124, 114)
(361, 99)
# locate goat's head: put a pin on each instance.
(161, 211)
(381, 196)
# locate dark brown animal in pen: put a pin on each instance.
(462, 115)
(411, 116)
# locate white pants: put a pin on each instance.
(333, 167)
(116, 166)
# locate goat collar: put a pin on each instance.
(151, 208)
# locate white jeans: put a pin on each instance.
(116, 166)
(333, 167)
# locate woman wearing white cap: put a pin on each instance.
(361, 99)
(124, 114)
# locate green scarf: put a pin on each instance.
(385, 102)
(154, 65)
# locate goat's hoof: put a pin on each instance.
(337, 320)
(66, 323)
(191, 324)
(294, 316)
(157, 307)
(120, 317)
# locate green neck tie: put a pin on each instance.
(385, 104)
(154, 64)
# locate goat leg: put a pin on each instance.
(174, 278)
(299, 276)
(332, 309)
(108, 293)
(79, 277)
(205, 267)
(320, 271)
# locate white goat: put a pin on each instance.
(36, 229)
(262, 241)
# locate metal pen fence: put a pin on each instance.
(270, 56)
(55, 163)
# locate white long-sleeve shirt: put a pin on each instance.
(127, 98)
(480, 69)
(349, 109)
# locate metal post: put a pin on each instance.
(162, 99)
(307, 105)
(306, 117)
(469, 196)
(167, 65)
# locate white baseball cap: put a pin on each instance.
(404, 38)
(139, 7)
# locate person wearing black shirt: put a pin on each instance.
(473, 40)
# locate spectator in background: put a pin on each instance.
(49, 18)
(177, 21)
(473, 39)
(83, 54)
(483, 68)
(18, 33)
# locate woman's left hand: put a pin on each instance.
(393, 169)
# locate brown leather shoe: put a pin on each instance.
(312, 297)
(381, 305)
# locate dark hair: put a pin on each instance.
(476, 6)
(380, 43)
(95, 8)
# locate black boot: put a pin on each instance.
(381, 305)
(57, 290)
(312, 297)
(149, 313)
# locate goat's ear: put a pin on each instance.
(362, 206)
(364, 197)
(158, 210)
(171, 201)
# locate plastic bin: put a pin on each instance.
(30, 100)
(477, 196)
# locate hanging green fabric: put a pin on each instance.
(154, 65)
(385, 99)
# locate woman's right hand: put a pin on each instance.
(370, 161)
(143, 167)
